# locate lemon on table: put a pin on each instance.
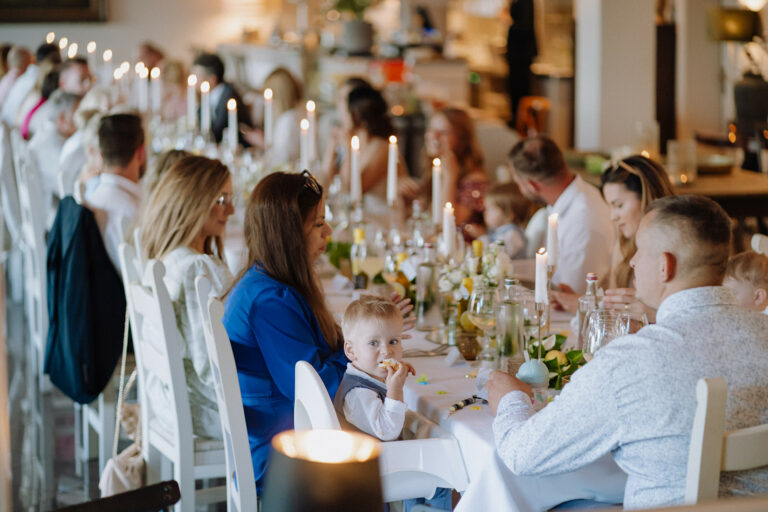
(399, 289)
(556, 354)
(465, 322)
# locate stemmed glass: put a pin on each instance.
(531, 318)
(603, 325)
(629, 322)
(482, 313)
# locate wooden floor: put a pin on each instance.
(70, 487)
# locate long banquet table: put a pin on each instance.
(492, 486)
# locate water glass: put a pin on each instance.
(630, 323)
(601, 329)
(482, 312)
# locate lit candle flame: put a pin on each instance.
(355, 142)
(436, 162)
(448, 206)
(155, 73)
(138, 67)
(63, 42)
(392, 139)
(50, 37)
(310, 106)
(125, 66)
(192, 80)
(90, 47)
(107, 55)
(542, 251)
(304, 124)
(231, 104)
(268, 94)
(205, 87)
(118, 74)
(144, 73)
(72, 51)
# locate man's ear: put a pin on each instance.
(349, 351)
(761, 294)
(533, 185)
(667, 267)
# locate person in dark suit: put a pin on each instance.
(521, 49)
(208, 67)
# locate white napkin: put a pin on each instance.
(483, 374)
(339, 283)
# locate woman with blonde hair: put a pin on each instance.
(628, 186)
(182, 225)
(451, 138)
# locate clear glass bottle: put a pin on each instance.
(357, 254)
(426, 292)
(416, 224)
(587, 303)
(509, 327)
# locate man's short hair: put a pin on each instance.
(74, 61)
(537, 157)
(700, 227)
(212, 65)
(47, 51)
(18, 57)
(749, 267)
(62, 101)
(368, 307)
(120, 135)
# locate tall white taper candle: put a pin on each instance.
(540, 293)
(437, 199)
(392, 159)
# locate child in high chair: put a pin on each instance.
(370, 395)
(747, 277)
(505, 214)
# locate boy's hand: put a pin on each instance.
(396, 380)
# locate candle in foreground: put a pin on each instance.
(50, 37)
(312, 134)
(552, 248)
(436, 190)
(449, 230)
(268, 117)
(106, 73)
(72, 51)
(304, 144)
(232, 123)
(356, 183)
(143, 89)
(157, 90)
(192, 102)
(90, 48)
(540, 293)
(392, 171)
(205, 108)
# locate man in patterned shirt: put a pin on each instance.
(636, 399)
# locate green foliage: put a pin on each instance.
(562, 373)
(356, 7)
(337, 251)
(379, 279)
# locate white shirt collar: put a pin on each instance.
(692, 298)
(353, 370)
(566, 196)
(115, 180)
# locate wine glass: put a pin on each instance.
(602, 327)
(531, 319)
(482, 313)
(629, 322)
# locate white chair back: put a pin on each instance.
(241, 488)
(8, 189)
(312, 407)
(713, 450)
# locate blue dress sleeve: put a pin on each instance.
(285, 336)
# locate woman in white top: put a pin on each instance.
(182, 225)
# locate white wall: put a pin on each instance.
(178, 26)
(615, 70)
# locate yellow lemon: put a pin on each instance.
(466, 323)
(399, 289)
(556, 354)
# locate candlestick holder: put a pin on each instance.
(540, 308)
(550, 272)
(534, 371)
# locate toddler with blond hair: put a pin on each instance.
(747, 277)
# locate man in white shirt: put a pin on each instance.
(26, 82)
(19, 58)
(45, 146)
(115, 198)
(636, 399)
(585, 234)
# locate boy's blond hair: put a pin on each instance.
(749, 267)
(510, 200)
(367, 307)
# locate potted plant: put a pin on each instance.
(357, 34)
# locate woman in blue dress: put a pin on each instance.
(276, 313)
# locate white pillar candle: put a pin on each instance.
(192, 102)
(449, 231)
(232, 129)
(540, 293)
(107, 73)
(72, 51)
(356, 181)
(63, 43)
(392, 171)
(268, 121)
(436, 190)
(304, 144)
(552, 248)
(143, 90)
(156, 90)
(312, 137)
(205, 108)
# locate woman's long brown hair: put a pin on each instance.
(275, 217)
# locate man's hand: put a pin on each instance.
(502, 383)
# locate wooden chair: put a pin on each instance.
(241, 483)
(409, 469)
(532, 115)
(157, 345)
(713, 450)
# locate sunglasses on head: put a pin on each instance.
(310, 182)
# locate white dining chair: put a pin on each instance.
(409, 469)
(241, 483)
(713, 450)
(9, 200)
(157, 345)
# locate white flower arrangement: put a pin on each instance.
(494, 267)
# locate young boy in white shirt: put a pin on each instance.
(370, 395)
(747, 277)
